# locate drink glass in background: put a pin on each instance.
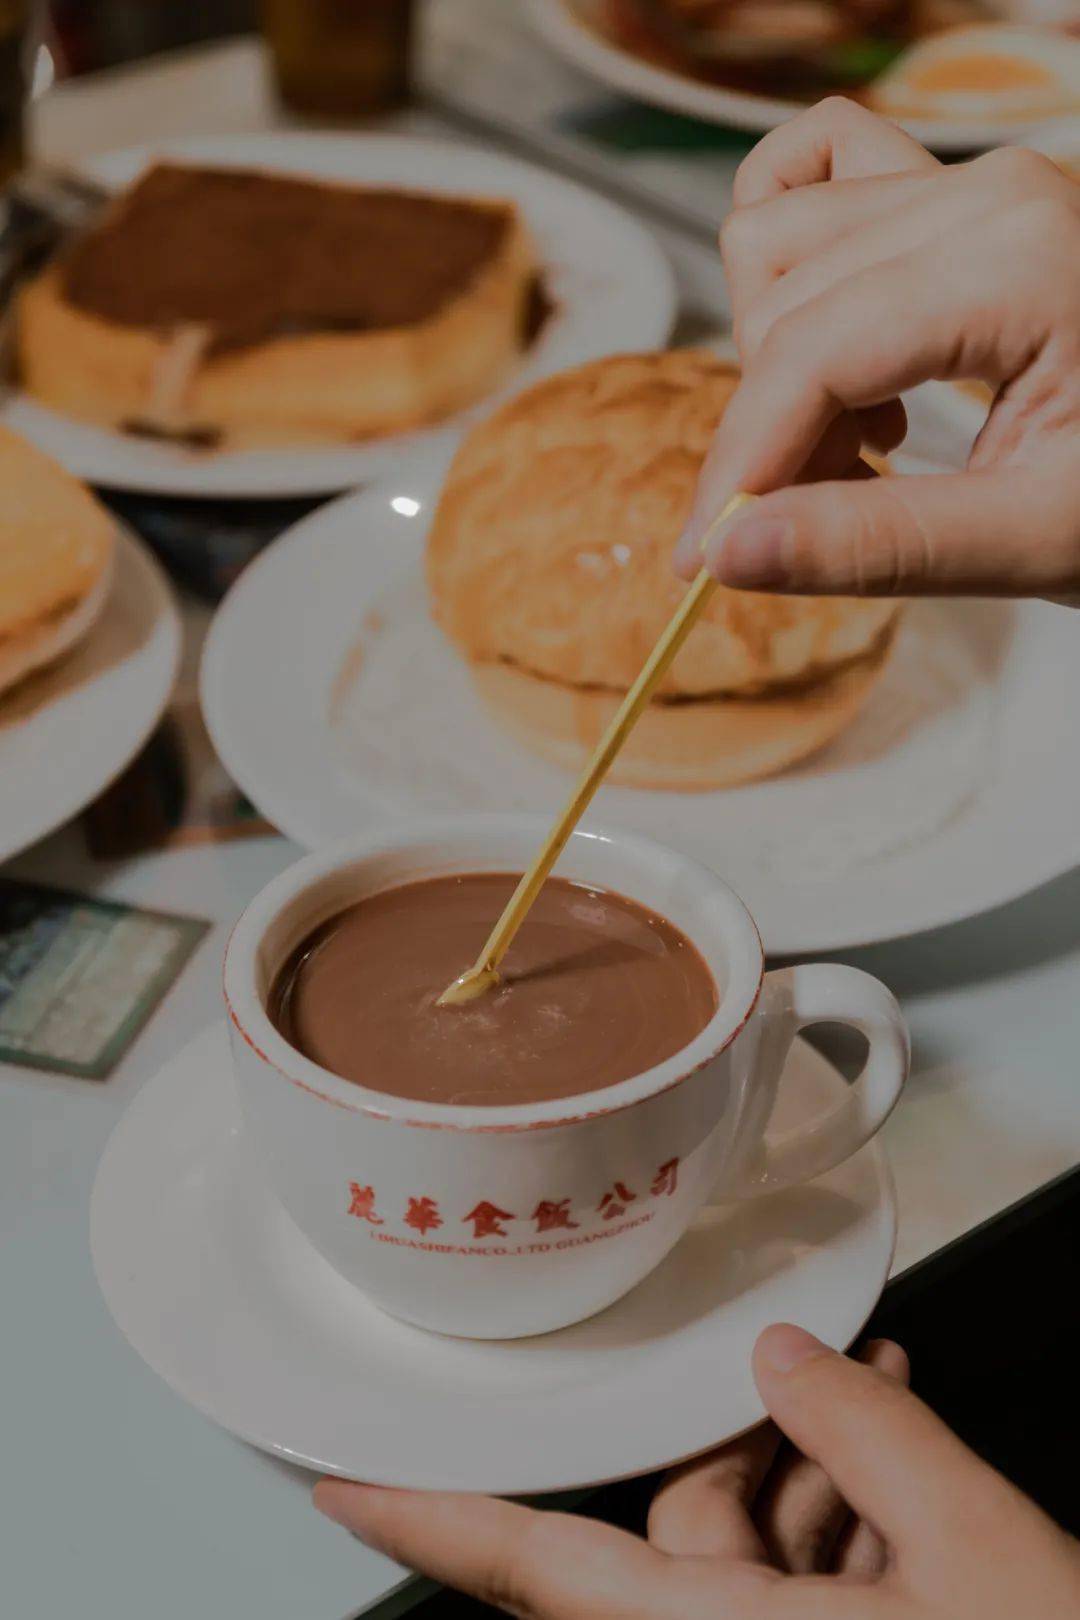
(340, 59)
(13, 86)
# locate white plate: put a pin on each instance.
(67, 732)
(612, 287)
(957, 788)
(1059, 139)
(214, 1287)
(565, 25)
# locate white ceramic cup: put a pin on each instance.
(496, 1222)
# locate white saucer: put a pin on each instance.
(612, 289)
(68, 731)
(957, 787)
(217, 1290)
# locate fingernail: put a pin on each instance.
(687, 556)
(753, 553)
(785, 1347)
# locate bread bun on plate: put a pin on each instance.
(549, 569)
(56, 559)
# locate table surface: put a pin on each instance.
(116, 1500)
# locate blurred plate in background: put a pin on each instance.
(1059, 140)
(610, 284)
(571, 27)
(67, 731)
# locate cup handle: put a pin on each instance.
(817, 993)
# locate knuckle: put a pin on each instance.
(860, 539)
(744, 186)
(782, 338)
(758, 162)
(816, 1543)
(739, 1475)
(796, 350)
(840, 112)
(1017, 171)
(660, 1518)
(833, 115)
(750, 329)
(812, 561)
(840, 546)
(667, 1521)
(739, 233)
(515, 1579)
(894, 552)
(821, 1546)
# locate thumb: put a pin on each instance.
(1012, 532)
(895, 1464)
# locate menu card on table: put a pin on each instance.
(79, 977)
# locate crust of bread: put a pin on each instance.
(333, 386)
(693, 745)
(56, 542)
(30, 649)
(551, 547)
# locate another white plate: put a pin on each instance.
(1059, 139)
(611, 285)
(565, 24)
(957, 788)
(67, 732)
(218, 1291)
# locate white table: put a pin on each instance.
(117, 1502)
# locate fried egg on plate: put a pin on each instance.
(987, 72)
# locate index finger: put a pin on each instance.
(845, 350)
(836, 139)
(549, 1566)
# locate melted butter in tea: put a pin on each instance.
(595, 989)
